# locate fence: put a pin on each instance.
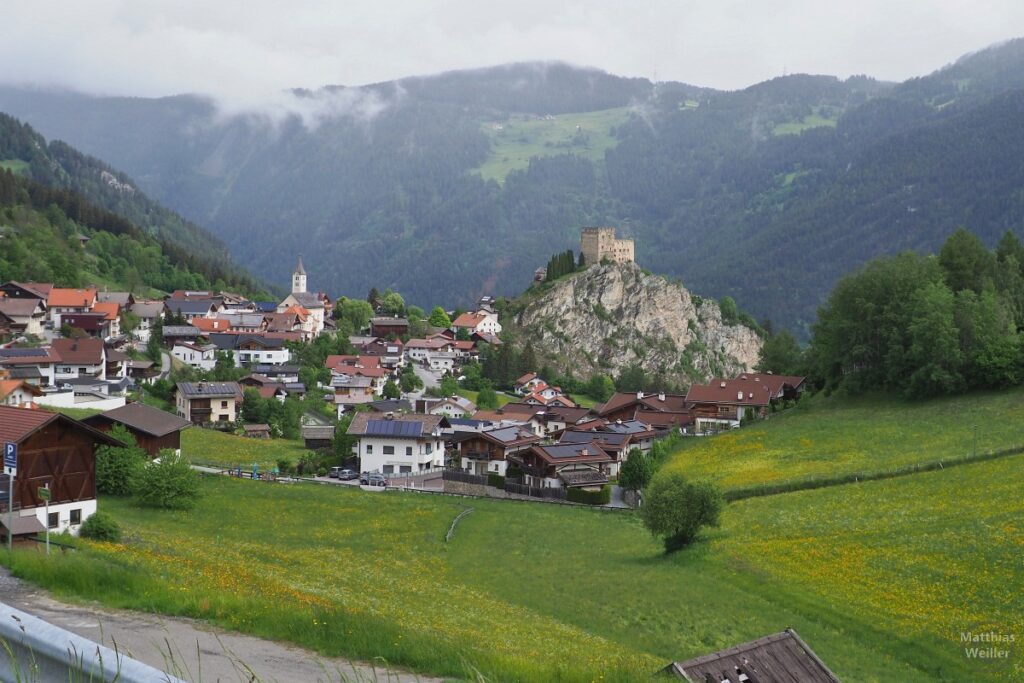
(465, 477)
(535, 491)
(36, 650)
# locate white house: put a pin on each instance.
(199, 356)
(480, 322)
(451, 407)
(442, 361)
(79, 358)
(399, 443)
(148, 312)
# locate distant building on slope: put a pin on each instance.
(600, 243)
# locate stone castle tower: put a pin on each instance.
(601, 243)
(299, 279)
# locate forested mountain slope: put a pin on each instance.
(445, 187)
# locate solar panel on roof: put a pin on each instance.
(393, 428)
(21, 353)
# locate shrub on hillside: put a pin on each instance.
(117, 467)
(675, 509)
(101, 527)
(636, 471)
(169, 482)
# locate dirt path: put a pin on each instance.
(198, 652)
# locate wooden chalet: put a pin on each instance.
(57, 451)
(487, 452)
(725, 403)
(153, 429)
(389, 327)
(773, 659)
(629, 406)
(565, 465)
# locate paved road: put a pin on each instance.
(195, 646)
(165, 365)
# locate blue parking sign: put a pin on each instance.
(10, 454)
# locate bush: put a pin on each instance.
(676, 509)
(169, 482)
(495, 480)
(587, 497)
(118, 468)
(513, 471)
(637, 471)
(101, 527)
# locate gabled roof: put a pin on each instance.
(142, 418)
(109, 309)
(730, 392)
(180, 331)
(672, 403)
(34, 356)
(211, 324)
(123, 299)
(510, 436)
(775, 383)
(528, 377)
(469, 320)
(9, 386)
(192, 390)
(19, 308)
(71, 298)
(778, 657)
(566, 453)
(307, 300)
(191, 306)
(382, 321)
(148, 310)
(16, 424)
(39, 290)
(84, 351)
(399, 425)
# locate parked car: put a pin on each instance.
(348, 475)
(372, 479)
(335, 472)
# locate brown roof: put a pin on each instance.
(468, 320)
(525, 378)
(20, 308)
(40, 288)
(142, 418)
(86, 351)
(23, 524)
(778, 657)
(730, 392)
(16, 424)
(672, 403)
(662, 420)
(72, 298)
(775, 383)
(567, 453)
(42, 357)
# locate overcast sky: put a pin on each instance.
(243, 52)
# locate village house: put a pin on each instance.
(111, 312)
(318, 437)
(351, 390)
(148, 312)
(26, 315)
(154, 430)
(389, 327)
(724, 404)
(203, 402)
(26, 290)
(18, 393)
(124, 300)
(251, 323)
(211, 325)
(391, 353)
(57, 452)
(61, 300)
(172, 334)
(566, 465)
(617, 444)
(195, 355)
(37, 366)
(527, 383)
(93, 324)
(487, 452)
(398, 444)
(190, 309)
(79, 359)
(480, 322)
(780, 387)
(450, 406)
(659, 409)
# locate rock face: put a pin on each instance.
(612, 316)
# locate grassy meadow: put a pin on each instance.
(515, 141)
(16, 166)
(879, 577)
(833, 436)
(817, 119)
(220, 449)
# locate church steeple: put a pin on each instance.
(299, 279)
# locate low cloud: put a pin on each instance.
(249, 55)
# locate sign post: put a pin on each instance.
(44, 493)
(11, 468)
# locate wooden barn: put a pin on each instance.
(778, 658)
(57, 451)
(153, 429)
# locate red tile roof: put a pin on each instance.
(470, 320)
(72, 298)
(85, 351)
(17, 423)
(730, 392)
(110, 309)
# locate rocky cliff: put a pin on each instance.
(609, 317)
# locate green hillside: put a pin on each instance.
(829, 437)
(881, 577)
(521, 137)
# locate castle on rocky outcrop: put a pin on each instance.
(600, 243)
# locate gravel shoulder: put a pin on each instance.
(189, 649)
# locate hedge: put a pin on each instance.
(495, 480)
(602, 497)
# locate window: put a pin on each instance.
(53, 520)
(223, 404)
(389, 469)
(223, 417)
(76, 517)
(430, 447)
(389, 450)
(369, 448)
(405, 468)
(408, 450)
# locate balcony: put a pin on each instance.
(477, 455)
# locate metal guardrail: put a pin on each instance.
(33, 650)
